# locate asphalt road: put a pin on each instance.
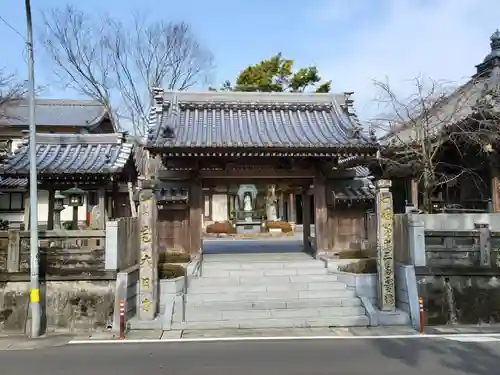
(308, 357)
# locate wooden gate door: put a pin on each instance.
(172, 230)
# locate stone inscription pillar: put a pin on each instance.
(385, 247)
(148, 271)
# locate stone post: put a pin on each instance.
(148, 270)
(484, 244)
(385, 247)
(416, 240)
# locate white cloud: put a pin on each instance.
(440, 39)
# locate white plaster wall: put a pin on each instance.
(219, 207)
(43, 211)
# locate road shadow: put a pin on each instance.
(465, 357)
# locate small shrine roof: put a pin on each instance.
(73, 154)
(55, 112)
(354, 189)
(254, 120)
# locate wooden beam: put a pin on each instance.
(269, 173)
(101, 197)
(50, 211)
(495, 189)
(306, 220)
(321, 214)
(414, 192)
(195, 216)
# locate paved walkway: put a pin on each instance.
(242, 246)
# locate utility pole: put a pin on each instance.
(36, 312)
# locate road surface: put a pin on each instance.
(307, 357)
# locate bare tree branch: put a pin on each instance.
(119, 64)
(422, 130)
(12, 91)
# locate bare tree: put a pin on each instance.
(11, 92)
(423, 130)
(118, 65)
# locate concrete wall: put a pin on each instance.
(459, 222)
(69, 306)
(460, 299)
(127, 289)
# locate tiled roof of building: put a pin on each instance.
(354, 189)
(254, 120)
(13, 182)
(73, 154)
(480, 93)
(55, 112)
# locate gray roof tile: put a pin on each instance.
(13, 182)
(55, 112)
(73, 153)
(355, 189)
(241, 119)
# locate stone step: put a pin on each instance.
(268, 287)
(242, 315)
(244, 280)
(273, 304)
(215, 272)
(265, 295)
(334, 321)
(225, 266)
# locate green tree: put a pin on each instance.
(276, 75)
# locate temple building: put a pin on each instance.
(103, 166)
(53, 116)
(233, 153)
(466, 125)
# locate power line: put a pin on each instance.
(13, 28)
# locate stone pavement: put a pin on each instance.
(22, 342)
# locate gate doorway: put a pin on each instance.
(255, 216)
(173, 230)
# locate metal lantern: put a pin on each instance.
(75, 196)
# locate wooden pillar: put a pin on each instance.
(26, 216)
(495, 189)
(114, 200)
(101, 199)
(281, 206)
(385, 246)
(50, 218)
(148, 263)
(195, 213)
(291, 207)
(320, 214)
(414, 192)
(306, 218)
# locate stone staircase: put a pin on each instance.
(267, 291)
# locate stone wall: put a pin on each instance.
(69, 306)
(460, 299)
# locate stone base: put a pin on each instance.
(248, 228)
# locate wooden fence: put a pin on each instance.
(61, 251)
(127, 242)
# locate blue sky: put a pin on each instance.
(351, 41)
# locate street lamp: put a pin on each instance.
(75, 199)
